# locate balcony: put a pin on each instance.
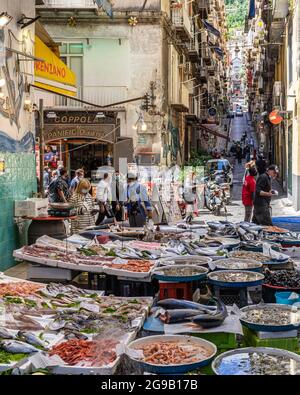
(193, 49)
(203, 8)
(206, 55)
(69, 4)
(280, 9)
(179, 99)
(118, 5)
(181, 22)
(99, 95)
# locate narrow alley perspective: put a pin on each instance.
(149, 194)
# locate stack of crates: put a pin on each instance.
(223, 341)
(251, 339)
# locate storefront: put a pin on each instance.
(81, 139)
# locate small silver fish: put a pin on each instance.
(17, 347)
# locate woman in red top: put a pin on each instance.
(248, 193)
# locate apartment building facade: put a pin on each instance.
(161, 49)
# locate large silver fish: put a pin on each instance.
(17, 347)
(5, 334)
(31, 338)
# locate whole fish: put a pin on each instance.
(31, 338)
(178, 315)
(57, 325)
(17, 347)
(5, 334)
(172, 304)
(214, 319)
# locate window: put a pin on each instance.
(72, 56)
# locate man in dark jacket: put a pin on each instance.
(261, 165)
(263, 196)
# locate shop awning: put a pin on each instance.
(52, 74)
(211, 28)
(213, 129)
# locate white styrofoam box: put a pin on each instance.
(36, 272)
(32, 207)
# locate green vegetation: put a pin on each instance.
(236, 11)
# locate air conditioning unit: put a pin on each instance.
(277, 88)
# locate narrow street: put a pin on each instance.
(235, 210)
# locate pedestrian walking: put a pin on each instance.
(59, 189)
(116, 203)
(239, 154)
(248, 193)
(261, 164)
(79, 175)
(137, 202)
(263, 196)
(82, 202)
(104, 198)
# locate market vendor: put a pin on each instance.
(263, 196)
(82, 201)
(137, 202)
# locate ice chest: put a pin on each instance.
(32, 207)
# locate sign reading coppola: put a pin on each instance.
(80, 125)
(80, 118)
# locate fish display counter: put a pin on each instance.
(72, 330)
(82, 329)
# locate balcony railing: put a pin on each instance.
(70, 3)
(99, 95)
(182, 23)
(120, 5)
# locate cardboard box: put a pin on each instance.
(34, 207)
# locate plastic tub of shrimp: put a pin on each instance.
(171, 354)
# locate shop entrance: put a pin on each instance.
(89, 157)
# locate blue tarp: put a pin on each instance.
(290, 223)
(211, 28)
(251, 9)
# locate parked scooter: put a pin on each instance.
(221, 179)
(214, 198)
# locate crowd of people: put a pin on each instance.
(128, 201)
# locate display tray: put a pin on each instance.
(238, 264)
(254, 279)
(162, 275)
(186, 260)
(294, 324)
(171, 369)
(236, 362)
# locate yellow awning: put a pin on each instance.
(52, 74)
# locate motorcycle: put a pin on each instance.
(221, 179)
(214, 198)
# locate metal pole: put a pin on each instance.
(41, 120)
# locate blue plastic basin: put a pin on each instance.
(283, 298)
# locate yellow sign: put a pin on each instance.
(52, 73)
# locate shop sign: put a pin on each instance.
(98, 132)
(79, 117)
(52, 73)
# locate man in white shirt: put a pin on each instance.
(104, 197)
